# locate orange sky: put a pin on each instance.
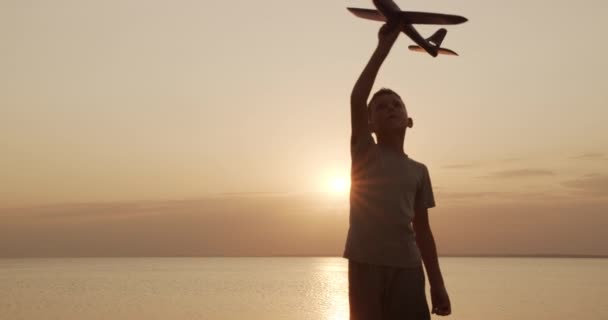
(109, 104)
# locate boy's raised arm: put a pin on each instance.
(358, 99)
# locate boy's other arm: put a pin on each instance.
(358, 99)
(428, 250)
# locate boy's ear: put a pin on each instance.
(410, 122)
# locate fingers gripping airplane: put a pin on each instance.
(389, 12)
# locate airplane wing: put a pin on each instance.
(445, 51)
(369, 14)
(413, 17)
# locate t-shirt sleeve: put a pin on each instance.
(424, 193)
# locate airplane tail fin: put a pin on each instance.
(435, 41)
(437, 38)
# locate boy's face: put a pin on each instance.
(388, 114)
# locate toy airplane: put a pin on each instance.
(389, 11)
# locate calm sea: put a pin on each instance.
(285, 288)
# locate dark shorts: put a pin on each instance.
(386, 293)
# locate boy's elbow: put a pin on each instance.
(424, 237)
(422, 228)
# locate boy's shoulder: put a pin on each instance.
(416, 164)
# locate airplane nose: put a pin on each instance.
(386, 6)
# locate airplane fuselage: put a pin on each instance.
(391, 11)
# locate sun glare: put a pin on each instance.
(339, 185)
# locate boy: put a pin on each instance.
(389, 238)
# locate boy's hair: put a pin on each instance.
(378, 93)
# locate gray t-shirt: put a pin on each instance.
(386, 188)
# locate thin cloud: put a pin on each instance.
(469, 165)
(590, 156)
(595, 184)
(460, 166)
(520, 173)
(472, 195)
(503, 196)
(253, 194)
(510, 159)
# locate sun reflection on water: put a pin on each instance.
(332, 276)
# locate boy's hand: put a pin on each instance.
(388, 33)
(441, 301)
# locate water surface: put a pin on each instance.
(285, 288)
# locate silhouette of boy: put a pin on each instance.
(389, 238)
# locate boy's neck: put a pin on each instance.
(392, 141)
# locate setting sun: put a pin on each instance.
(338, 185)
